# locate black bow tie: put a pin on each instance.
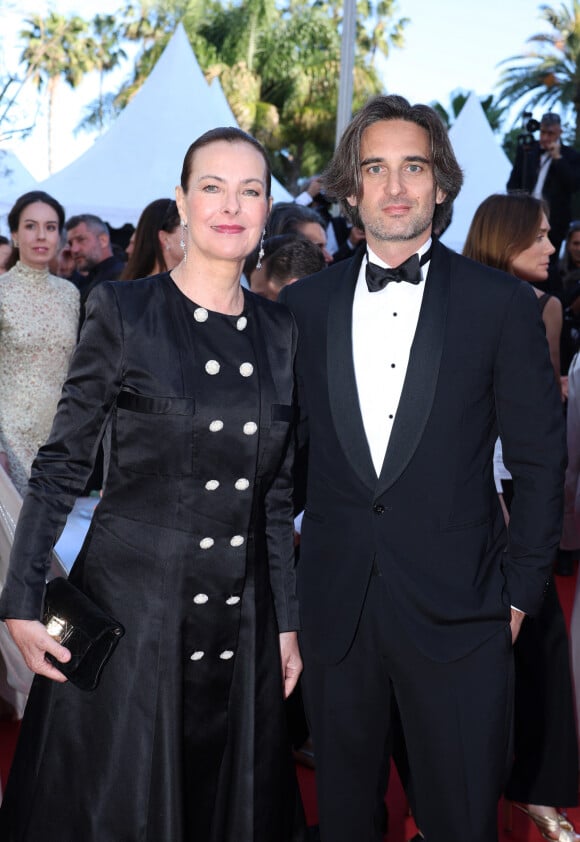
(410, 271)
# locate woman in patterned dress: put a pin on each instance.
(39, 316)
(188, 381)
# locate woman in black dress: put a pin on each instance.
(187, 380)
(511, 233)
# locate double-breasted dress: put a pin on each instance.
(191, 549)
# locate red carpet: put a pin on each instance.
(401, 825)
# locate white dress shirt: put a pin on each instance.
(383, 328)
(545, 161)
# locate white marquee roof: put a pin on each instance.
(485, 166)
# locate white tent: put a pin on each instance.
(14, 177)
(485, 165)
(139, 158)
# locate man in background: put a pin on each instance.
(90, 246)
(549, 170)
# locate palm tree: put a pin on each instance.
(106, 53)
(278, 64)
(549, 73)
(56, 48)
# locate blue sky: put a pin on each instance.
(450, 44)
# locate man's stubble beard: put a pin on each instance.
(415, 229)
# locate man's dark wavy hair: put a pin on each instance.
(343, 177)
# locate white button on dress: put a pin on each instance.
(216, 426)
(212, 485)
(212, 367)
(241, 323)
(226, 655)
(237, 541)
(201, 598)
(246, 369)
(200, 314)
(241, 484)
(197, 656)
(250, 427)
(232, 600)
(206, 543)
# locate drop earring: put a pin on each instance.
(261, 252)
(182, 242)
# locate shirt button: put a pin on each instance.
(379, 509)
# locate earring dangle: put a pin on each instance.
(261, 252)
(182, 242)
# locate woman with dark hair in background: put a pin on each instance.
(39, 315)
(155, 243)
(188, 380)
(511, 233)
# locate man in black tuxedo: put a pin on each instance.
(409, 586)
(549, 170)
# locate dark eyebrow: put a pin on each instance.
(219, 178)
(409, 159)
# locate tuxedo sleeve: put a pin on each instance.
(63, 465)
(532, 431)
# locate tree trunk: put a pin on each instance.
(51, 88)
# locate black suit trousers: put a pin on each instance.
(456, 718)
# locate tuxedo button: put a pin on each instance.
(379, 509)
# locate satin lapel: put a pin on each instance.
(422, 372)
(342, 390)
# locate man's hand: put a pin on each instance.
(554, 150)
(516, 621)
(291, 661)
(314, 186)
(34, 643)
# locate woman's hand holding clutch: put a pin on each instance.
(34, 642)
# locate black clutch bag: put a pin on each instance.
(74, 621)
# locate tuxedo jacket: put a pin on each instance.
(430, 523)
(131, 386)
(562, 181)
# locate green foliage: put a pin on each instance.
(548, 74)
(493, 111)
(56, 47)
(278, 64)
